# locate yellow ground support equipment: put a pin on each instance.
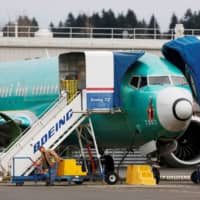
(69, 167)
(140, 174)
(70, 86)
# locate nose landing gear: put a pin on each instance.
(108, 164)
(111, 178)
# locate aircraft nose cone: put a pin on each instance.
(174, 108)
(182, 109)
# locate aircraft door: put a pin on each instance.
(72, 74)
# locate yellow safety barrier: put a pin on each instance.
(69, 167)
(71, 87)
(140, 174)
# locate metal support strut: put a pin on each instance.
(91, 132)
(81, 147)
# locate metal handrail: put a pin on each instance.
(91, 32)
(25, 130)
(51, 106)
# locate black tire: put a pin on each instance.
(19, 184)
(111, 178)
(156, 173)
(78, 182)
(195, 177)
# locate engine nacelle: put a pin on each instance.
(187, 153)
(9, 130)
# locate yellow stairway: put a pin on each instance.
(140, 174)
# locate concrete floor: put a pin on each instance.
(100, 191)
(167, 189)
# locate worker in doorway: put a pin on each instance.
(49, 159)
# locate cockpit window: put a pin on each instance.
(134, 81)
(159, 80)
(179, 80)
(143, 81)
(138, 81)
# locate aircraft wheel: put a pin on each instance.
(111, 178)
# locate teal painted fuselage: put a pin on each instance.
(33, 86)
(134, 125)
(30, 85)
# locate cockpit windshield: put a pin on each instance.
(159, 80)
(142, 81)
(179, 80)
(138, 81)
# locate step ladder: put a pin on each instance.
(50, 130)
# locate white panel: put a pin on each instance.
(99, 69)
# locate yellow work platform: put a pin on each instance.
(69, 167)
(140, 174)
